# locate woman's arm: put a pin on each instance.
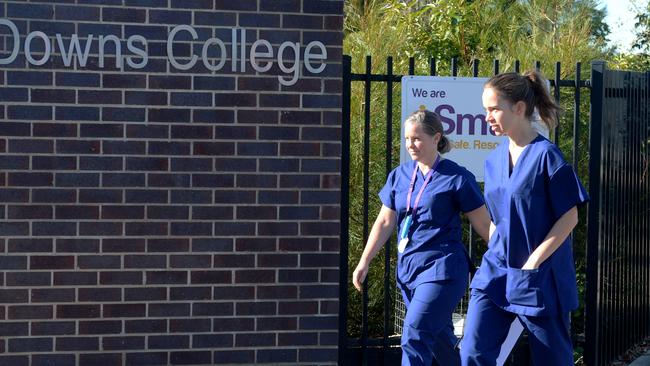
(480, 221)
(381, 231)
(559, 232)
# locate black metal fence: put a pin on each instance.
(618, 260)
(618, 225)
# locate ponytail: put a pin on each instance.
(546, 107)
(443, 145)
(529, 88)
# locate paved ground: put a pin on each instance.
(644, 360)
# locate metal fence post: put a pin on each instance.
(345, 203)
(592, 330)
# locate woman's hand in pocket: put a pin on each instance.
(529, 266)
(531, 263)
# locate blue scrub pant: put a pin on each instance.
(487, 325)
(428, 331)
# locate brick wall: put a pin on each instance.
(162, 216)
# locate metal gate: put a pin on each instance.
(618, 256)
(384, 349)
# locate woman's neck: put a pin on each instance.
(426, 165)
(523, 136)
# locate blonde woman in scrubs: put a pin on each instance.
(424, 199)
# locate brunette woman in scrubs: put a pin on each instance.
(532, 196)
(424, 199)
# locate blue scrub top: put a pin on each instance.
(524, 205)
(435, 251)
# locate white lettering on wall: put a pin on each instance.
(294, 66)
(74, 46)
(268, 54)
(170, 47)
(222, 55)
(28, 48)
(142, 52)
(16, 39)
(260, 55)
(309, 56)
(118, 50)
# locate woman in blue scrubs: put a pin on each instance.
(532, 196)
(424, 198)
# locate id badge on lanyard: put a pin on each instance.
(408, 220)
(403, 235)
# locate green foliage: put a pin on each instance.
(642, 25)
(545, 31)
(507, 30)
(640, 59)
(630, 62)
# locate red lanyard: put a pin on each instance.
(412, 186)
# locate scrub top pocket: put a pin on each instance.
(523, 287)
(428, 220)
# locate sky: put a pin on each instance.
(620, 18)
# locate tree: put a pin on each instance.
(639, 58)
(642, 25)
